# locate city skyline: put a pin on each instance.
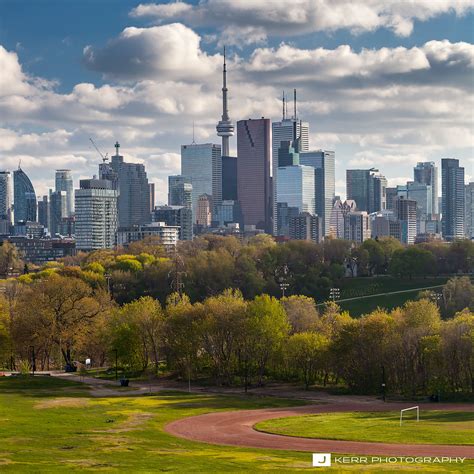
(411, 75)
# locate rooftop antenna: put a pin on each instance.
(193, 143)
(294, 103)
(19, 164)
(283, 105)
(117, 146)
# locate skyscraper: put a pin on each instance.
(229, 178)
(296, 190)
(288, 129)
(203, 164)
(204, 211)
(43, 212)
(151, 186)
(24, 197)
(96, 214)
(133, 191)
(427, 173)
(367, 189)
(225, 127)
(58, 210)
(5, 196)
(469, 220)
(357, 226)
(64, 183)
(405, 210)
(253, 173)
(324, 164)
(453, 199)
(180, 191)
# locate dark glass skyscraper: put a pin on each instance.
(229, 178)
(427, 173)
(453, 199)
(24, 197)
(367, 189)
(254, 185)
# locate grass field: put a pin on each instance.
(359, 287)
(50, 425)
(434, 427)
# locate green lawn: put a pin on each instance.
(364, 286)
(434, 427)
(57, 427)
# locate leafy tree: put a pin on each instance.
(412, 261)
(458, 294)
(307, 353)
(301, 312)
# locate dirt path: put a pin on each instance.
(236, 429)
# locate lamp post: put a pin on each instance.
(107, 276)
(334, 294)
(383, 383)
(282, 274)
(33, 360)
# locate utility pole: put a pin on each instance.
(176, 275)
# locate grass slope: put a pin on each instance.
(434, 427)
(64, 429)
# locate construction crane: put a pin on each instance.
(105, 158)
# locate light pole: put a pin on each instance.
(383, 383)
(107, 276)
(334, 294)
(33, 360)
(282, 274)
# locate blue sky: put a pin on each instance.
(383, 83)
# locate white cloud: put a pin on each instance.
(296, 17)
(160, 52)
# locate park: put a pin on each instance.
(69, 423)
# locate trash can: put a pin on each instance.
(124, 382)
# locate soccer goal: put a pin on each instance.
(417, 408)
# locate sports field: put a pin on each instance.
(434, 427)
(53, 425)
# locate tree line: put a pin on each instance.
(66, 315)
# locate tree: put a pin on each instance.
(307, 353)
(136, 331)
(57, 311)
(458, 294)
(10, 261)
(266, 329)
(412, 261)
(376, 256)
(302, 313)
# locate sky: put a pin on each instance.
(383, 83)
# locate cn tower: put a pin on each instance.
(225, 127)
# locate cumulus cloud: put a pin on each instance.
(160, 52)
(387, 107)
(297, 17)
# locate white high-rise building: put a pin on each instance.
(202, 163)
(288, 129)
(469, 210)
(5, 196)
(64, 183)
(96, 214)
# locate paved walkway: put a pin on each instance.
(236, 429)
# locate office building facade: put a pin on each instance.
(453, 199)
(24, 197)
(180, 216)
(254, 184)
(202, 163)
(367, 188)
(64, 182)
(96, 214)
(427, 173)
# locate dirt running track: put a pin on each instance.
(236, 429)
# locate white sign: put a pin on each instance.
(321, 459)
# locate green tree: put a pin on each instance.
(307, 354)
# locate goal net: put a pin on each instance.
(405, 410)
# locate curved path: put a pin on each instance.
(236, 429)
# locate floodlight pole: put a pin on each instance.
(383, 383)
